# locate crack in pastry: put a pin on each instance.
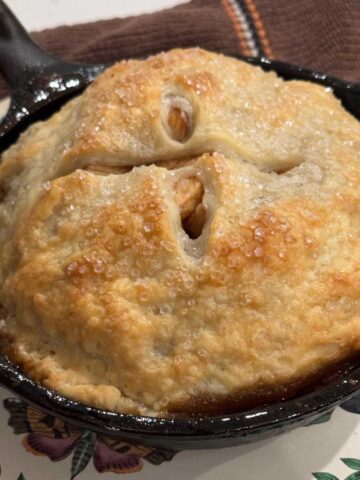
(103, 169)
(182, 237)
(188, 192)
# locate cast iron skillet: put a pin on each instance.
(39, 84)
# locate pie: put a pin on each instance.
(183, 237)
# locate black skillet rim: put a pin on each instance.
(261, 418)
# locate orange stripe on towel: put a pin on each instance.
(244, 48)
(259, 27)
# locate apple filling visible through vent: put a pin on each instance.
(177, 117)
(188, 192)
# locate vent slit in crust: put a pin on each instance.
(177, 117)
(189, 193)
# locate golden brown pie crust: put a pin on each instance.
(187, 228)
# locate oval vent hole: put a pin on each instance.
(189, 193)
(177, 117)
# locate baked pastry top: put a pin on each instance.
(182, 235)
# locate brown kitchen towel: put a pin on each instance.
(321, 34)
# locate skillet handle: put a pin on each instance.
(20, 58)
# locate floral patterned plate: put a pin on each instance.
(37, 446)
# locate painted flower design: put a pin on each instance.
(352, 405)
(353, 463)
(47, 435)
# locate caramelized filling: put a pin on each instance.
(179, 122)
(189, 194)
(177, 117)
(194, 224)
